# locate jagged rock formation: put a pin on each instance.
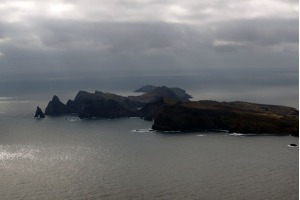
(98, 104)
(56, 107)
(39, 113)
(108, 105)
(241, 117)
(101, 104)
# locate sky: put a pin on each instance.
(221, 50)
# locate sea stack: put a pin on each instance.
(39, 113)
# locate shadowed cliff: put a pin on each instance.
(240, 117)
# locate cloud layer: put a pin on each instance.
(242, 40)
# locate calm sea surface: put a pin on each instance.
(68, 158)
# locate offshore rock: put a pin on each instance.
(56, 107)
(39, 113)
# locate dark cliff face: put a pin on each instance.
(103, 109)
(56, 107)
(152, 109)
(78, 104)
(98, 104)
(241, 117)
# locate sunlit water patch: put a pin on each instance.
(56, 159)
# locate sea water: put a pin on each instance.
(69, 158)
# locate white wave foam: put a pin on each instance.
(142, 130)
(237, 134)
(73, 119)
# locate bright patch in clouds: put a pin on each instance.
(60, 9)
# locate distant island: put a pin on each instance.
(172, 110)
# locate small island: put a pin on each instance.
(172, 110)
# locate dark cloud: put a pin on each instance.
(211, 45)
(260, 31)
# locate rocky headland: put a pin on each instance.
(172, 110)
(108, 105)
(239, 117)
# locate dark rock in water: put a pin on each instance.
(39, 113)
(56, 107)
(293, 145)
(240, 117)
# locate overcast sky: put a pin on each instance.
(216, 47)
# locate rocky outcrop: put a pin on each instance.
(56, 107)
(240, 117)
(145, 88)
(175, 94)
(39, 113)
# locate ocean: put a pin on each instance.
(69, 158)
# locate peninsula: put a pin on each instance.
(172, 110)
